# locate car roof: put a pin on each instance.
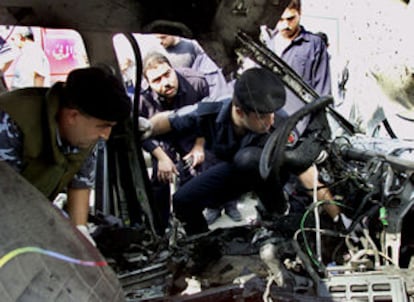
(213, 23)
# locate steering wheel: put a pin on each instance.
(273, 154)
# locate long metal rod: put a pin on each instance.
(316, 213)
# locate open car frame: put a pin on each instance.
(268, 261)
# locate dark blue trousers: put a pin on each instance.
(221, 183)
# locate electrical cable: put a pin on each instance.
(33, 249)
(322, 231)
(302, 227)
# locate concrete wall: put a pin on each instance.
(374, 37)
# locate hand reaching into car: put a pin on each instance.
(196, 156)
(144, 127)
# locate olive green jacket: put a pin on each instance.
(44, 165)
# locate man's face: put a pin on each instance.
(288, 24)
(163, 80)
(166, 40)
(258, 122)
(81, 130)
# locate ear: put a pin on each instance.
(240, 112)
(71, 115)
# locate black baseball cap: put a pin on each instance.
(260, 90)
(98, 93)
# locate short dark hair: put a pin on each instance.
(97, 92)
(259, 90)
(295, 4)
(153, 59)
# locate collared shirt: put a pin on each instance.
(192, 88)
(11, 151)
(307, 55)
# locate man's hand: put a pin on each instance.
(166, 167)
(166, 170)
(196, 156)
(145, 127)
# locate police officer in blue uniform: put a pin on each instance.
(235, 130)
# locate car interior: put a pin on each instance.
(44, 258)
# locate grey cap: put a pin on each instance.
(260, 90)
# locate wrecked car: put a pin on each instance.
(297, 258)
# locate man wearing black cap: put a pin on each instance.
(235, 130)
(49, 135)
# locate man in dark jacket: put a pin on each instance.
(235, 129)
(172, 155)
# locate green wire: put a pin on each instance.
(302, 227)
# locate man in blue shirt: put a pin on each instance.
(306, 53)
(303, 51)
(232, 128)
(235, 130)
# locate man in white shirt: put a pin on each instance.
(31, 67)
